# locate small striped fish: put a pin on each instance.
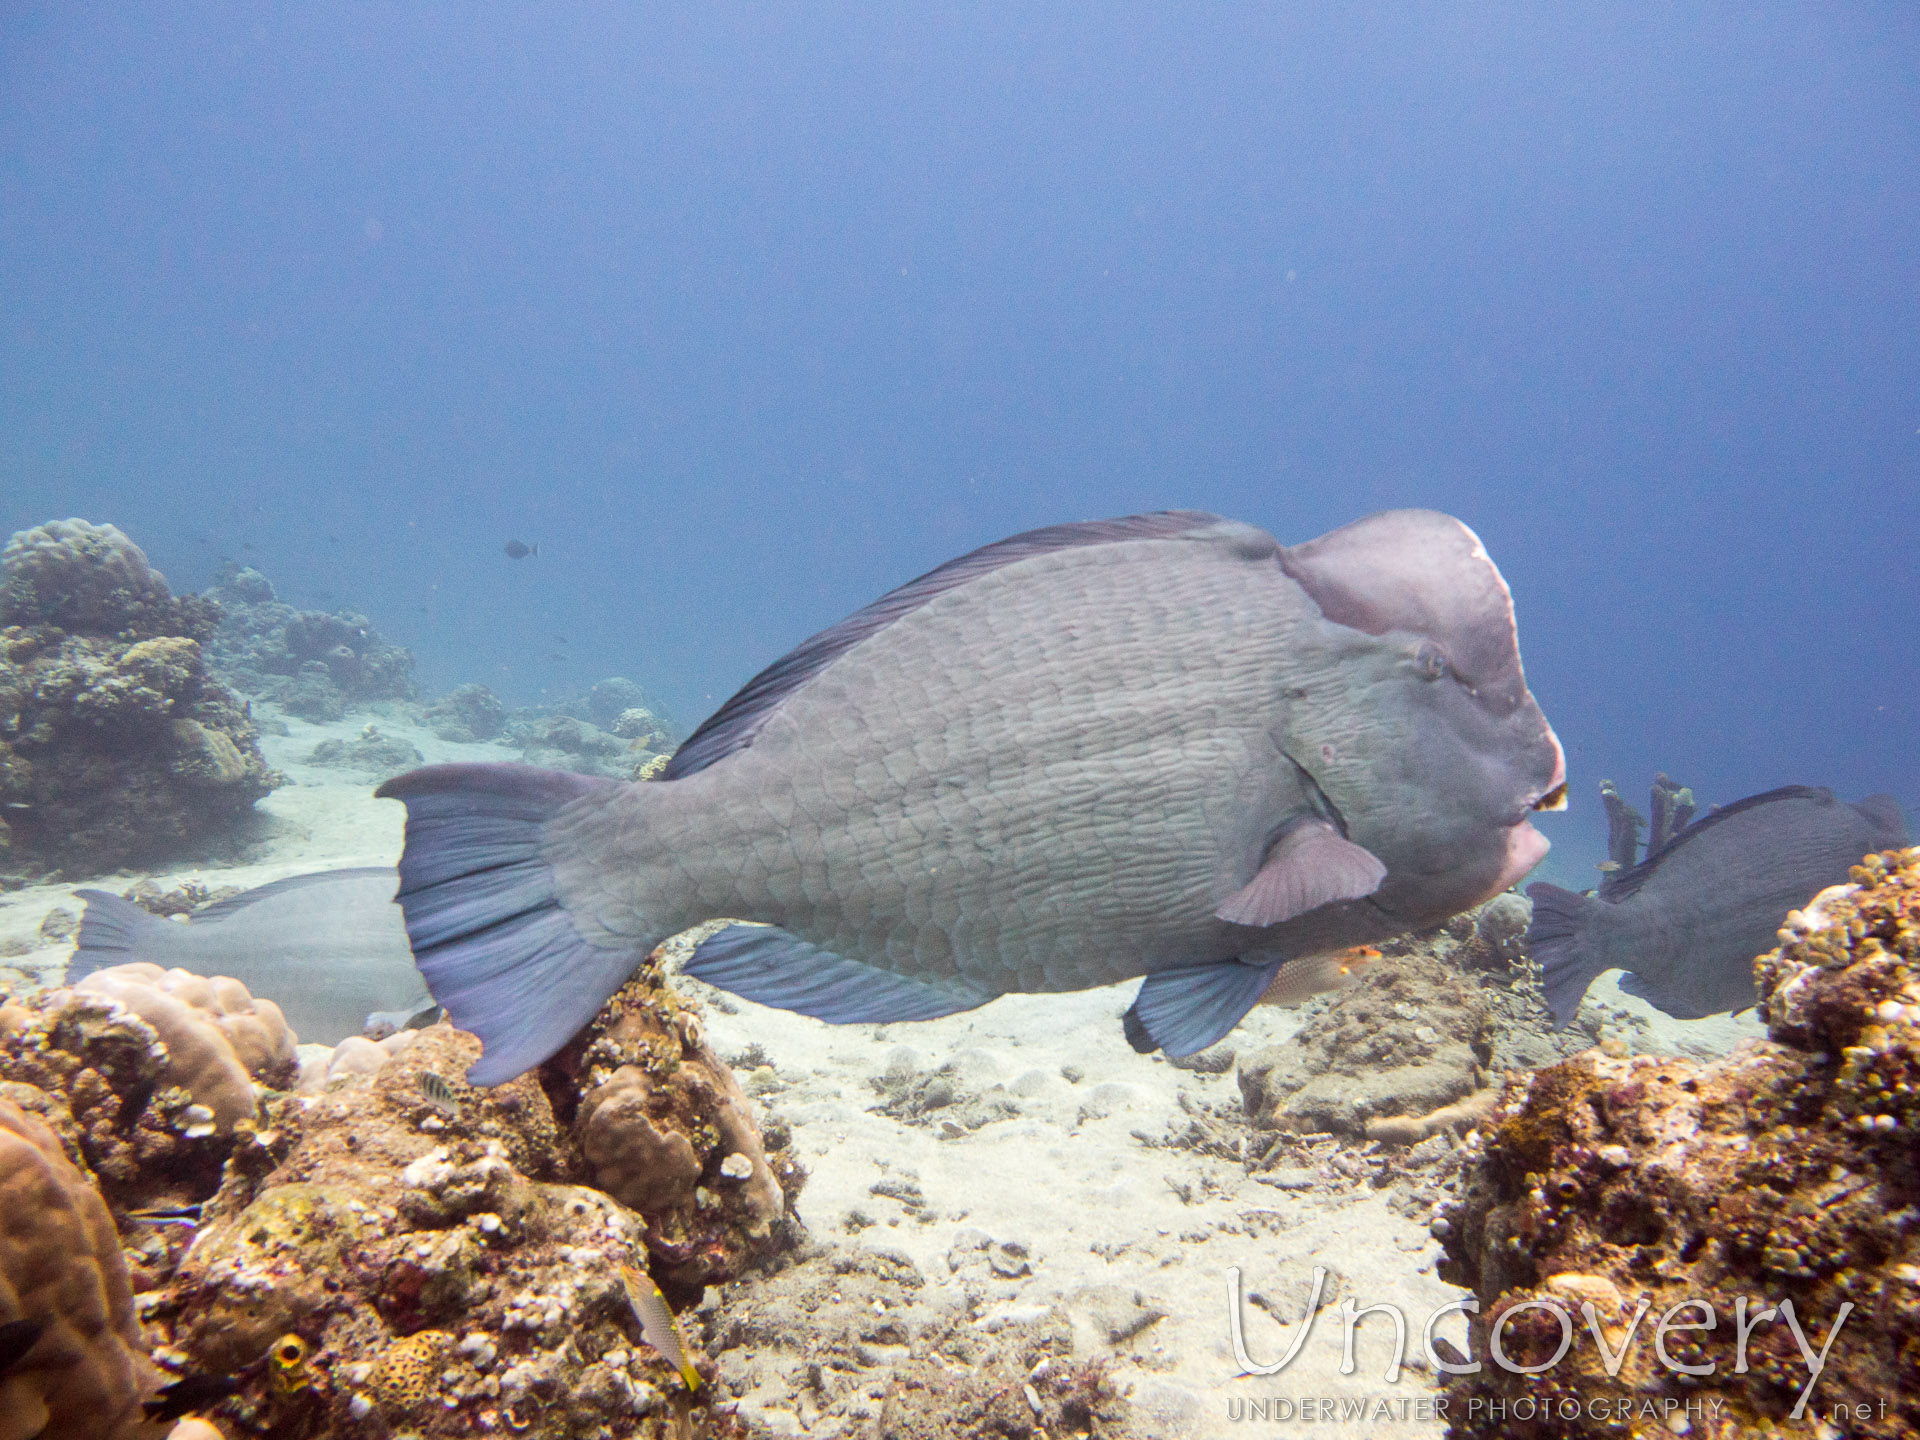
(438, 1092)
(657, 1325)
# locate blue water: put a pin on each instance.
(744, 315)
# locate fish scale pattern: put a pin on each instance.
(959, 793)
(1050, 775)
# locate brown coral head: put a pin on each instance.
(404, 1376)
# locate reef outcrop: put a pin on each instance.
(1410, 1037)
(1743, 1234)
(147, 1076)
(663, 1127)
(396, 1251)
(358, 1243)
(116, 744)
(312, 663)
(467, 713)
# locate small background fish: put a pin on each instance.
(657, 1325)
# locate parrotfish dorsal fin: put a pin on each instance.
(234, 904)
(1627, 882)
(733, 726)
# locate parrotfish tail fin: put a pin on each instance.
(1559, 943)
(499, 951)
(768, 965)
(111, 930)
(1184, 1011)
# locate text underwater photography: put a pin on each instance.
(1612, 1340)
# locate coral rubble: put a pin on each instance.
(116, 745)
(856, 1342)
(1744, 1233)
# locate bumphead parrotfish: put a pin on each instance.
(1688, 921)
(1162, 746)
(329, 949)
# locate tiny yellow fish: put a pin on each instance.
(1607, 867)
(657, 1325)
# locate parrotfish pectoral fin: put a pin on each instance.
(1313, 864)
(498, 950)
(1557, 941)
(1184, 1011)
(768, 965)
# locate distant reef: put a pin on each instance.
(316, 664)
(117, 747)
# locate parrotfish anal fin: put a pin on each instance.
(1311, 865)
(498, 950)
(1184, 1011)
(766, 964)
(733, 726)
(1637, 985)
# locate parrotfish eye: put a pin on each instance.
(1554, 799)
(1430, 661)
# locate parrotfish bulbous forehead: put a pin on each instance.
(1437, 754)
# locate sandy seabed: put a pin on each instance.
(1073, 1193)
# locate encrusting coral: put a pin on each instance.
(115, 743)
(406, 1253)
(84, 1376)
(664, 1128)
(1744, 1233)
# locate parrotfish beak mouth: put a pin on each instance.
(1526, 848)
(1555, 795)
